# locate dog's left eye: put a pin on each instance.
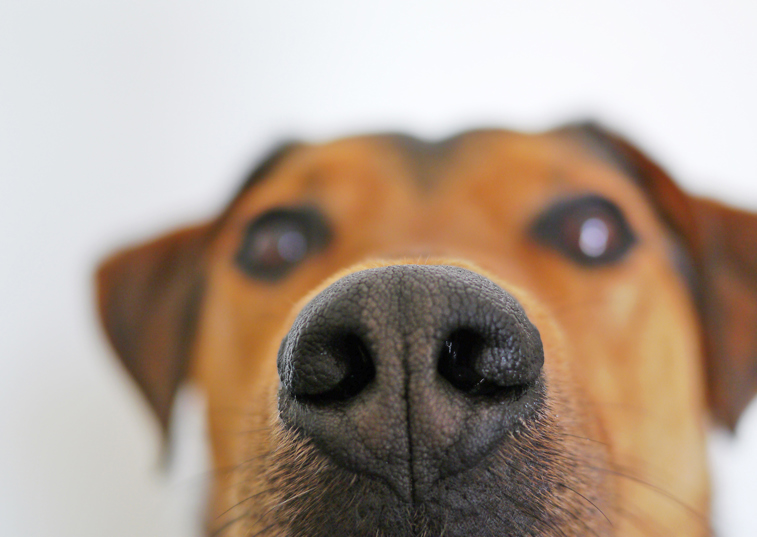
(590, 230)
(279, 239)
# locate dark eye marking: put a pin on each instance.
(589, 230)
(280, 239)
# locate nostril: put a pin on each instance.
(458, 363)
(466, 361)
(333, 372)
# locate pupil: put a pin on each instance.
(594, 237)
(292, 246)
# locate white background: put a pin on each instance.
(120, 118)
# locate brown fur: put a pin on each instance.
(633, 351)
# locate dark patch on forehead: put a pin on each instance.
(264, 167)
(259, 172)
(426, 159)
(604, 145)
(421, 149)
(274, 156)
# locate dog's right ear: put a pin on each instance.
(149, 298)
(728, 254)
(722, 244)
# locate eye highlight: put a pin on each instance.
(594, 237)
(279, 239)
(590, 230)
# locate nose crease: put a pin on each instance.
(407, 314)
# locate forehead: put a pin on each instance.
(482, 167)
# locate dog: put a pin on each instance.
(497, 334)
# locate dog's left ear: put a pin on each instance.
(149, 298)
(722, 244)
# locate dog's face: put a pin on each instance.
(498, 334)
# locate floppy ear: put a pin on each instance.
(149, 298)
(729, 258)
(722, 244)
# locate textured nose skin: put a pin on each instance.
(410, 373)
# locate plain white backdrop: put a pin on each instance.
(121, 118)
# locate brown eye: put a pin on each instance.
(278, 240)
(590, 230)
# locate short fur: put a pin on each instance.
(637, 353)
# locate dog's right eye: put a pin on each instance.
(279, 239)
(590, 230)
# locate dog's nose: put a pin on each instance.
(410, 373)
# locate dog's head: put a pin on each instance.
(497, 334)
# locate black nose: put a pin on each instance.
(410, 373)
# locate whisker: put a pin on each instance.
(583, 438)
(558, 507)
(292, 498)
(227, 525)
(245, 500)
(588, 500)
(648, 527)
(522, 509)
(263, 531)
(661, 491)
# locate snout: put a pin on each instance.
(410, 373)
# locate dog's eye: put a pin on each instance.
(278, 240)
(589, 230)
